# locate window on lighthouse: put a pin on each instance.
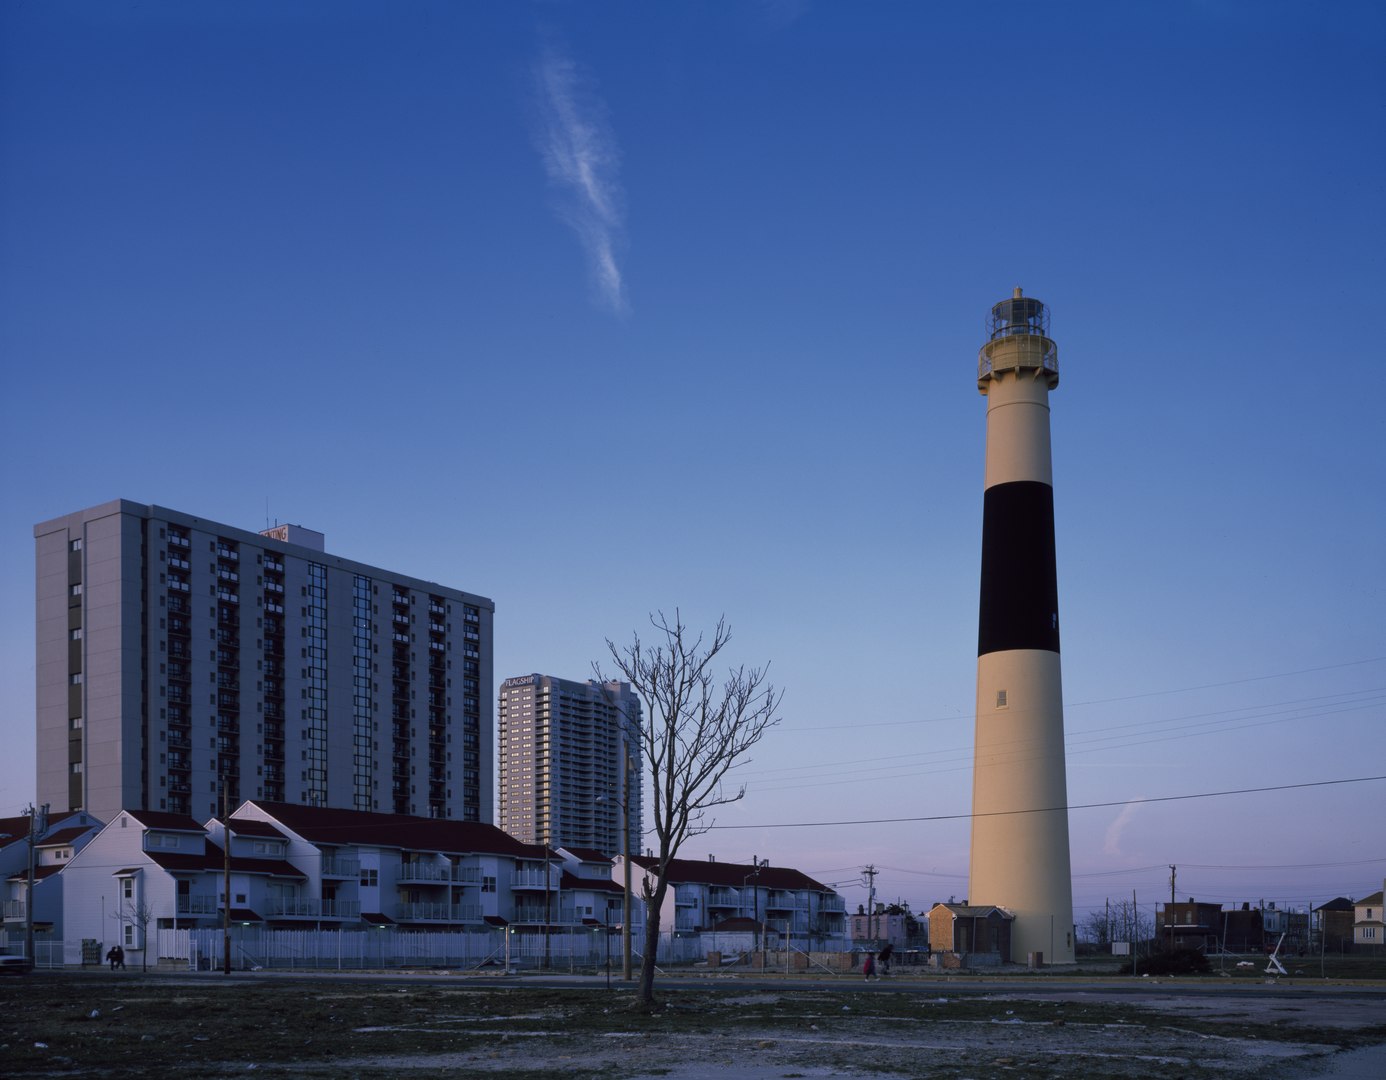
(1000, 699)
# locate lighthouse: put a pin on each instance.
(1020, 858)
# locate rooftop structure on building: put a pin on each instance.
(180, 662)
(568, 763)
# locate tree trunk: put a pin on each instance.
(644, 994)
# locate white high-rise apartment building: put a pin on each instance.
(569, 762)
(177, 656)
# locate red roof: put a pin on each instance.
(13, 829)
(692, 871)
(571, 881)
(583, 854)
(64, 836)
(739, 925)
(160, 819)
(252, 827)
(213, 859)
(40, 872)
(327, 826)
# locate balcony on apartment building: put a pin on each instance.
(343, 866)
(534, 913)
(293, 907)
(721, 897)
(443, 913)
(439, 873)
(784, 900)
(532, 879)
(189, 904)
(13, 910)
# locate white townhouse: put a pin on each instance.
(590, 895)
(150, 870)
(783, 904)
(294, 866)
(396, 869)
(54, 848)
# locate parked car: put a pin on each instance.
(14, 963)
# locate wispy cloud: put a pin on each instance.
(583, 162)
(1111, 845)
(781, 14)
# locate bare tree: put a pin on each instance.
(694, 730)
(1095, 928)
(141, 913)
(1117, 920)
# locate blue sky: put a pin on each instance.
(595, 309)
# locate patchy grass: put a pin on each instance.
(143, 1027)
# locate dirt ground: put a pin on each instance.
(84, 1026)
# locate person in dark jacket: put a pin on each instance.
(883, 961)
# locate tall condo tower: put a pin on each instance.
(178, 658)
(570, 763)
(1019, 792)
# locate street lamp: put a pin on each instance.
(605, 931)
(755, 897)
(503, 925)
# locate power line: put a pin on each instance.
(1233, 682)
(1078, 736)
(1102, 701)
(1086, 741)
(1050, 809)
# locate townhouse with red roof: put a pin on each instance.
(58, 842)
(775, 904)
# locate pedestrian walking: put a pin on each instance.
(883, 961)
(868, 966)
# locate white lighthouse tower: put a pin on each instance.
(1020, 855)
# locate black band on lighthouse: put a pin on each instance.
(1020, 588)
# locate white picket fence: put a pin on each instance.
(255, 947)
(356, 950)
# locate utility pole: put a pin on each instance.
(1136, 929)
(547, 837)
(38, 823)
(870, 874)
(625, 858)
(226, 878)
(1170, 913)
